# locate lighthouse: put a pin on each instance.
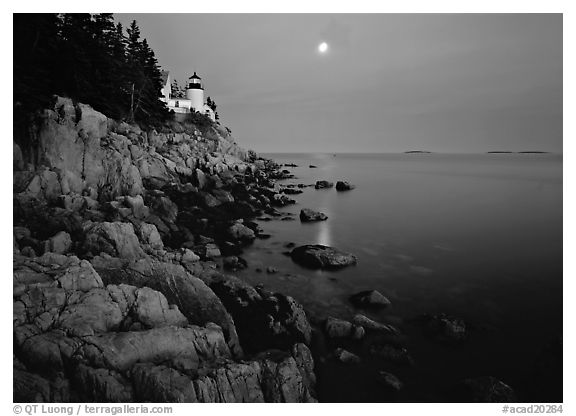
(195, 93)
(182, 104)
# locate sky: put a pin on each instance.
(454, 83)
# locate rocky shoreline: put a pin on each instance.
(124, 241)
(116, 294)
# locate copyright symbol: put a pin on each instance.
(17, 409)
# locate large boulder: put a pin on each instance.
(60, 243)
(323, 184)
(240, 232)
(149, 235)
(308, 215)
(318, 256)
(194, 299)
(344, 186)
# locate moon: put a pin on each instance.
(323, 47)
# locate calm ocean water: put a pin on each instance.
(475, 236)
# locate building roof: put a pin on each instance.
(194, 76)
(165, 75)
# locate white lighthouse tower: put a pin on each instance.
(195, 93)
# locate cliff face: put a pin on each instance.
(85, 152)
(117, 294)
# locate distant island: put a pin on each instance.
(417, 151)
(524, 152)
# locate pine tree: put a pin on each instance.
(88, 58)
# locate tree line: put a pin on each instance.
(89, 58)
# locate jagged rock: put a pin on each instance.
(152, 309)
(240, 232)
(370, 299)
(305, 362)
(43, 185)
(163, 207)
(308, 215)
(344, 186)
(323, 184)
(148, 234)
(94, 312)
(113, 238)
(263, 320)
(55, 270)
(136, 204)
(70, 182)
(188, 256)
(321, 257)
(61, 243)
(120, 177)
(371, 325)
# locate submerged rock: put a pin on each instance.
(346, 357)
(445, 327)
(321, 257)
(392, 353)
(390, 381)
(308, 215)
(338, 328)
(370, 299)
